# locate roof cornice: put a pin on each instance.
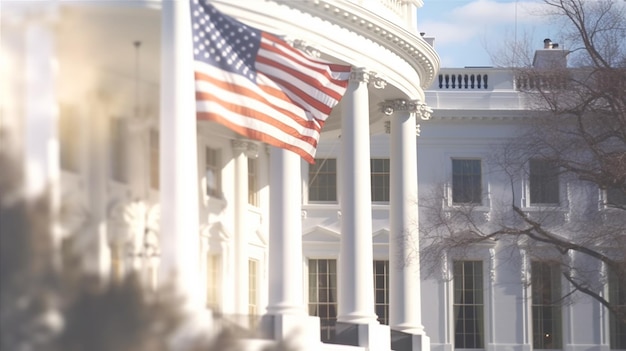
(352, 16)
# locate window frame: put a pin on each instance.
(480, 182)
(556, 309)
(484, 304)
(327, 324)
(212, 162)
(384, 175)
(561, 201)
(311, 178)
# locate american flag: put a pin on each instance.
(259, 86)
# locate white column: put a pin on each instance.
(178, 158)
(286, 317)
(41, 147)
(285, 239)
(404, 266)
(355, 276)
(95, 243)
(241, 221)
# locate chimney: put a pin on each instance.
(547, 43)
(550, 57)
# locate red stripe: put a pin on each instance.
(306, 79)
(255, 114)
(309, 63)
(308, 99)
(309, 124)
(256, 135)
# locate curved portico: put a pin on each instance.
(391, 62)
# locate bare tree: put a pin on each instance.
(576, 135)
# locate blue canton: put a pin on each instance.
(222, 41)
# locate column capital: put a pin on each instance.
(305, 47)
(422, 110)
(363, 75)
(249, 148)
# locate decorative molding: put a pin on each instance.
(249, 148)
(396, 38)
(303, 46)
(445, 269)
(389, 107)
(492, 264)
(524, 267)
(361, 75)
(604, 274)
(304, 214)
(387, 125)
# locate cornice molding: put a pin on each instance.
(410, 46)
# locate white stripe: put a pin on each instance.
(303, 58)
(244, 82)
(254, 124)
(301, 84)
(253, 104)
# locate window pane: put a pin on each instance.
(213, 173)
(381, 290)
(468, 307)
(546, 307)
(543, 182)
(466, 182)
(617, 297)
(323, 295)
(616, 196)
(380, 179)
(323, 180)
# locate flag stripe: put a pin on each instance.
(242, 90)
(259, 86)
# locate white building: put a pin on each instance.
(250, 230)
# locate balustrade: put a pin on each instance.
(464, 81)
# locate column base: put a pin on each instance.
(372, 336)
(403, 341)
(301, 332)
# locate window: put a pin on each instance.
(380, 179)
(213, 173)
(253, 190)
(616, 197)
(118, 149)
(381, 291)
(466, 182)
(69, 138)
(543, 182)
(546, 307)
(323, 295)
(252, 289)
(468, 305)
(213, 282)
(617, 297)
(154, 159)
(323, 180)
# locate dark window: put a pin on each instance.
(69, 138)
(380, 179)
(323, 180)
(617, 297)
(381, 291)
(253, 191)
(154, 159)
(118, 149)
(466, 182)
(546, 305)
(543, 182)
(616, 197)
(469, 322)
(213, 173)
(323, 295)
